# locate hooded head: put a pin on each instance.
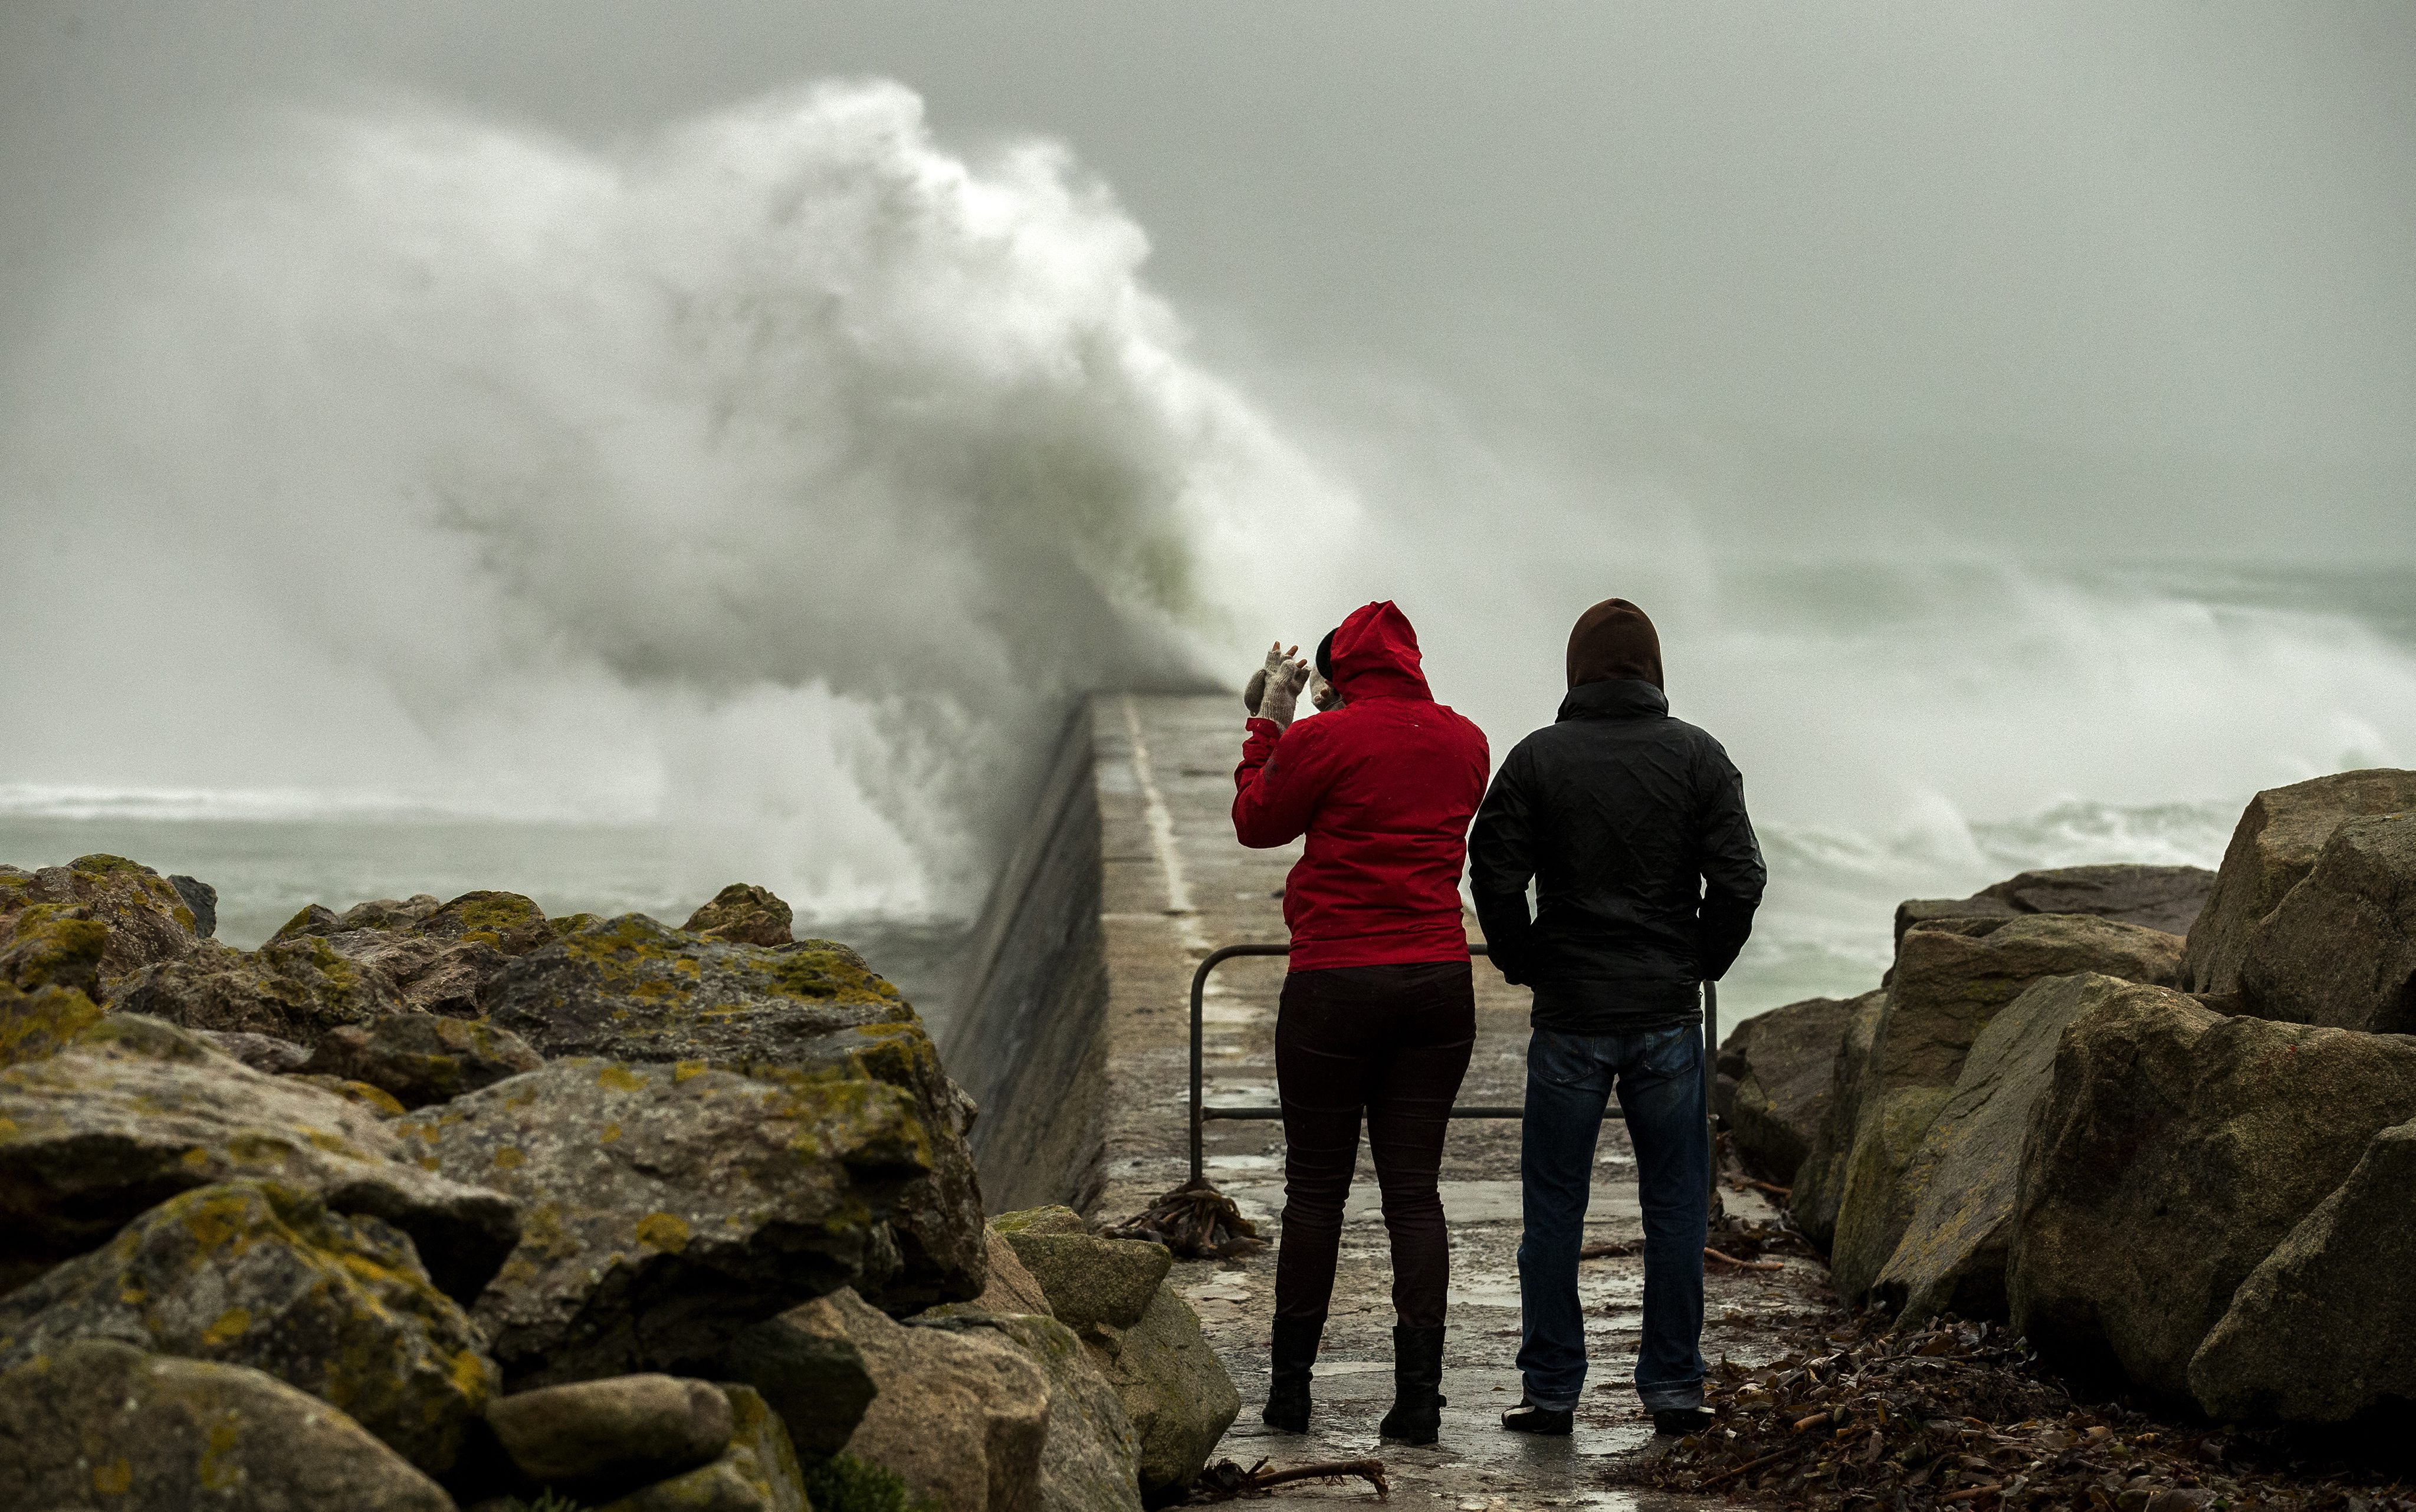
(1614, 639)
(1374, 654)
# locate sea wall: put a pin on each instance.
(1028, 1037)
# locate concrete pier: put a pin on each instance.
(1075, 1038)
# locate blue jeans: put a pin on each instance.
(1659, 1078)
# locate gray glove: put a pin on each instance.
(1279, 683)
(1322, 694)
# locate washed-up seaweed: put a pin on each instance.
(1960, 1415)
(1732, 1242)
(1196, 1221)
(1226, 1481)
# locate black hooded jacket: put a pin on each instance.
(1633, 826)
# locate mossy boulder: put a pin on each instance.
(102, 1424)
(261, 1052)
(54, 944)
(1820, 1185)
(376, 1099)
(1089, 1279)
(963, 1418)
(666, 1208)
(265, 1275)
(136, 1111)
(2175, 1150)
(1173, 1388)
(1091, 1459)
(627, 989)
(37, 1023)
(148, 921)
(1775, 1071)
(294, 989)
(2274, 848)
(758, 1471)
(421, 1059)
(437, 956)
(2319, 1332)
(743, 914)
(598, 1438)
(2340, 949)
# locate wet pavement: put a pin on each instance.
(1176, 887)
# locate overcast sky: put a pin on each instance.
(2061, 280)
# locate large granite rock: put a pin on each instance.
(2340, 949)
(263, 1275)
(2166, 898)
(816, 1383)
(629, 989)
(2274, 846)
(1091, 1459)
(1776, 1072)
(964, 1419)
(2320, 1330)
(1087, 1280)
(1173, 1388)
(1820, 1185)
(758, 1471)
(136, 1111)
(103, 1425)
(2175, 1150)
(1951, 978)
(600, 1438)
(1964, 1179)
(743, 914)
(148, 922)
(200, 897)
(420, 1059)
(666, 1208)
(437, 956)
(293, 989)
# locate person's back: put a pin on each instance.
(1633, 827)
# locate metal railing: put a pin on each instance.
(1202, 1111)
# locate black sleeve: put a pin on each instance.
(1501, 863)
(1733, 876)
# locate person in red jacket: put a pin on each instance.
(1379, 1010)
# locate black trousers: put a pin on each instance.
(1392, 1042)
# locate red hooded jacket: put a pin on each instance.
(1383, 788)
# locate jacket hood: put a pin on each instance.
(1614, 639)
(1376, 655)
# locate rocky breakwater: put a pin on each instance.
(2176, 1165)
(436, 1205)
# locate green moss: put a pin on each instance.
(105, 865)
(844, 1483)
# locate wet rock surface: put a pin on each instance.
(1819, 1188)
(1776, 1072)
(2340, 948)
(421, 1059)
(666, 1208)
(101, 1424)
(2175, 1150)
(136, 1111)
(257, 1275)
(2273, 850)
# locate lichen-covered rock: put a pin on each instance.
(100, 1424)
(263, 1275)
(1966, 1176)
(1091, 1459)
(295, 989)
(437, 956)
(605, 1436)
(666, 1208)
(376, 1099)
(2319, 1332)
(2166, 898)
(1056, 1219)
(2176, 1148)
(629, 989)
(1820, 1184)
(37, 1023)
(421, 1059)
(148, 922)
(1775, 1071)
(54, 944)
(962, 1418)
(136, 1111)
(1089, 1279)
(757, 1473)
(200, 897)
(816, 1381)
(261, 1052)
(1011, 1288)
(1174, 1390)
(1875, 1204)
(2273, 850)
(743, 914)
(2340, 949)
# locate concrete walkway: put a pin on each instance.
(1177, 886)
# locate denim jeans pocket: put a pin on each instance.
(1674, 1051)
(1561, 1059)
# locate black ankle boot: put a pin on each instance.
(1416, 1417)
(1295, 1350)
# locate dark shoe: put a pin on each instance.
(1527, 1417)
(1295, 1352)
(1416, 1417)
(1680, 1421)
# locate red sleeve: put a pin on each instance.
(1278, 783)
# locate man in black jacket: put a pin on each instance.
(1632, 825)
